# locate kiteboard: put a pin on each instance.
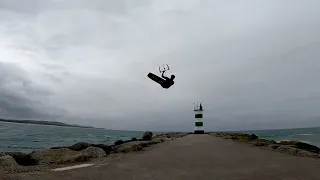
(156, 78)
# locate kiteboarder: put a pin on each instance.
(168, 81)
(165, 82)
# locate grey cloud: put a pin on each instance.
(20, 98)
(253, 64)
(55, 73)
(21, 6)
(38, 6)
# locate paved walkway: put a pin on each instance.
(196, 157)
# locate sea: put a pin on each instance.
(15, 137)
(308, 135)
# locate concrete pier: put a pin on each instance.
(193, 157)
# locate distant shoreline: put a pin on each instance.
(48, 123)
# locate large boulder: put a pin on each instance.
(128, 147)
(257, 143)
(240, 137)
(147, 136)
(74, 159)
(262, 142)
(152, 142)
(8, 161)
(80, 146)
(60, 156)
(272, 142)
(119, 142)
(169, 135)
(301, 145)
(21, 158)
(253, 137)
(106, 148)
(83, 145)
(135, 145)
(9, 164)
(295, 151)
(94, 152)
(11, 153)
(161, 135)
(274, 146)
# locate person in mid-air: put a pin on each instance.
(168, 81)
(165, 82)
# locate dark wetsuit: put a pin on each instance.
(167, 83)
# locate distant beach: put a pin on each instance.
(49, 123)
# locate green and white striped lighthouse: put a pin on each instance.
(198, 115)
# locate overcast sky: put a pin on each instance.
(253, 64)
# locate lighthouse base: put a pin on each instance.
(198, 132)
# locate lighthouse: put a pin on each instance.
(198, 115)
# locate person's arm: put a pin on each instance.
(163, 75)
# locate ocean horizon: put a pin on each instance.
(15, 137)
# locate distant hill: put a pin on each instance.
(50, 123)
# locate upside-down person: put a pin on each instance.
(168, 81)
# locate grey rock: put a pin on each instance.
(8, 161)
(94, 152)
(147, 136)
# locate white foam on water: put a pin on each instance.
(305, 134)
(72, 167)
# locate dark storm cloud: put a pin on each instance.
(20, 98)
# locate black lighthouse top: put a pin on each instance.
(198, 108)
